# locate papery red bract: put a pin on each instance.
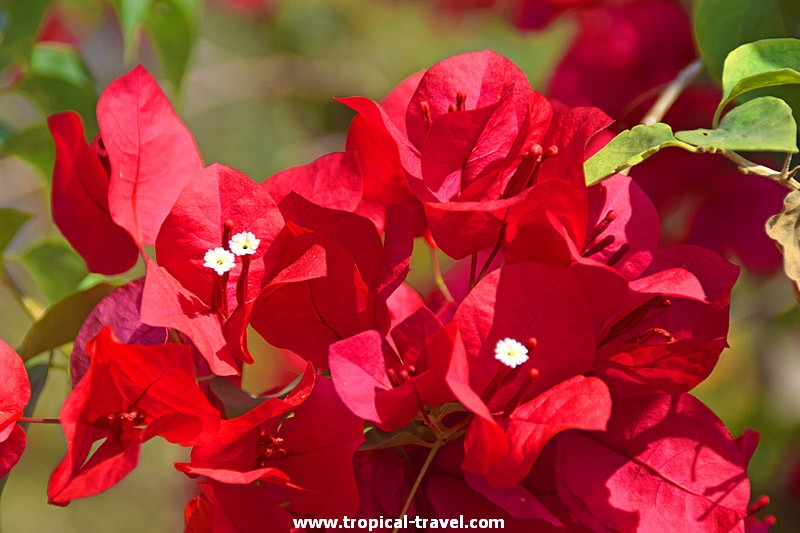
(321, 436)
(196, 224)
(222, 508)
(129, 395)
(152, 154)
(388, 381)
(80, 200)
(15, 389)
(663, 462)
(672, 327)
(577, 403)
(120, 311)
(332, 181)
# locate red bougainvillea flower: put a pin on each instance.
(667, 334)
(130, 177)
(199, 281)
(473, 140)
(664, 333)
(15, 391)
(264, 445)
(663, 461)
(361, 272)
(388, 381)
(221, 508)
(528, 330)
(129, 395)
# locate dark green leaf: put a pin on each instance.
(764, 124)
(62, 321)
(722, 25)
(58, 80)
(20, 24)
(752, 66)
(132, 15)
(629, 148)
(173, 26)
(37, 375)
(11, 221)
(35, 146)
(55, 267)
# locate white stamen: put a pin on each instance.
(510, 352)
(244, 243)
(219, 259)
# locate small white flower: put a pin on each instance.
(220, 259)
(244, 243)
(510, 352)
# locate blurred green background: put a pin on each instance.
(256, 92)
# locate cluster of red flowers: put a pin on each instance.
(564, 360)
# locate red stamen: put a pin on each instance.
(551, 151)
(601, 226)
(621, 251)
(412, 369)
(227, 230)
(634, 317)
(393, 377)
(649, 333)
(757, 505)
(269, 448)
(604, 243)
(452, 108)
(241, 284)
(502, 372)
(523, 391)
(425, 108)
(404, 376)
(461, 99)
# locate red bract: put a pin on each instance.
(669, 331)
(120, 311)
(182, 292)
(129, 395)
(388, 381)
(222, 508)
(473, 142)
(15, 391)
(80, 199)
(544, 308)
(361, 273)
(263, 445)
(151, 153)
(664, 462)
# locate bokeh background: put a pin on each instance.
(257, 93)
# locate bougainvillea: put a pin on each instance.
(552, 392)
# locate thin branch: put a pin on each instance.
(671, 92)
(435, 448)
(438, 278)
(784, 177)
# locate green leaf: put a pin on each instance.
(55, 267)
(58, 80)
(20, 24)
(62, 321)
(11, 221)
(173, 26)
(629, 148)
(766, 63)
(131, 14)
(722, 25)
(33, 145)
(764, 124)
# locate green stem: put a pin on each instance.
(438, 278)
(439, 443)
